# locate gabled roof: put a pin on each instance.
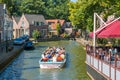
(35, 17)
(17, 19)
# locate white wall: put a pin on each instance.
(103, 67)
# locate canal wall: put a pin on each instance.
(6, 58)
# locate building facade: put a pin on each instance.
(28, 23)
(6, 24)
(6, 28)
(53, 26)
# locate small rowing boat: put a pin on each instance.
(53, 57)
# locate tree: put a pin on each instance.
(81, 12)
(56, 9)
(32, 6)
(35, 34)
(13, 6)
(58, 28)
(51, 9)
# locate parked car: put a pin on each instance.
(29, 45)
(18, 41)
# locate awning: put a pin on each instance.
(111, 31)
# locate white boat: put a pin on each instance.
(53, 62)
(50, 64)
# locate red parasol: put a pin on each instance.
(111, 31)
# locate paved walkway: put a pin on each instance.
(83, 41)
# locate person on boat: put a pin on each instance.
(63, 50)
(59, 58)
(54, 58)
(49, 55)
(44, 58)
(57, 49)
(43, 55)
(62, 56)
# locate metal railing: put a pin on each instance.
(107, 67)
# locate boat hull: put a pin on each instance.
(49, 65)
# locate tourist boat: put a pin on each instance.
(53, 62)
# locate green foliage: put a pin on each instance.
(56, 9)
(118, 41)
(102, 41)
(35, 34)
(81, 12)
(32, 6)
(13, 6)
(58, 28)
(51, 9)
(66, 35)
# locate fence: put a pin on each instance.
(110, 69)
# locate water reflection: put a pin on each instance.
(51, 74)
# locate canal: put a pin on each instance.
(26, 66)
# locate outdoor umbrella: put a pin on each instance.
(97, 32)
(111, 31)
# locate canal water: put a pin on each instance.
(26, 66)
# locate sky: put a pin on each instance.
(74, 0)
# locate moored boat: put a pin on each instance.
(53, 57)
(29, 45)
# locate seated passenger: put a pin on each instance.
(48, 55)
(59, 58)
(45, 59)
(62, 56)
(54, 58)
(58, 49)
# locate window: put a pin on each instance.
(22, 24)
(42, 23)
(50, 23)
(37, 23)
